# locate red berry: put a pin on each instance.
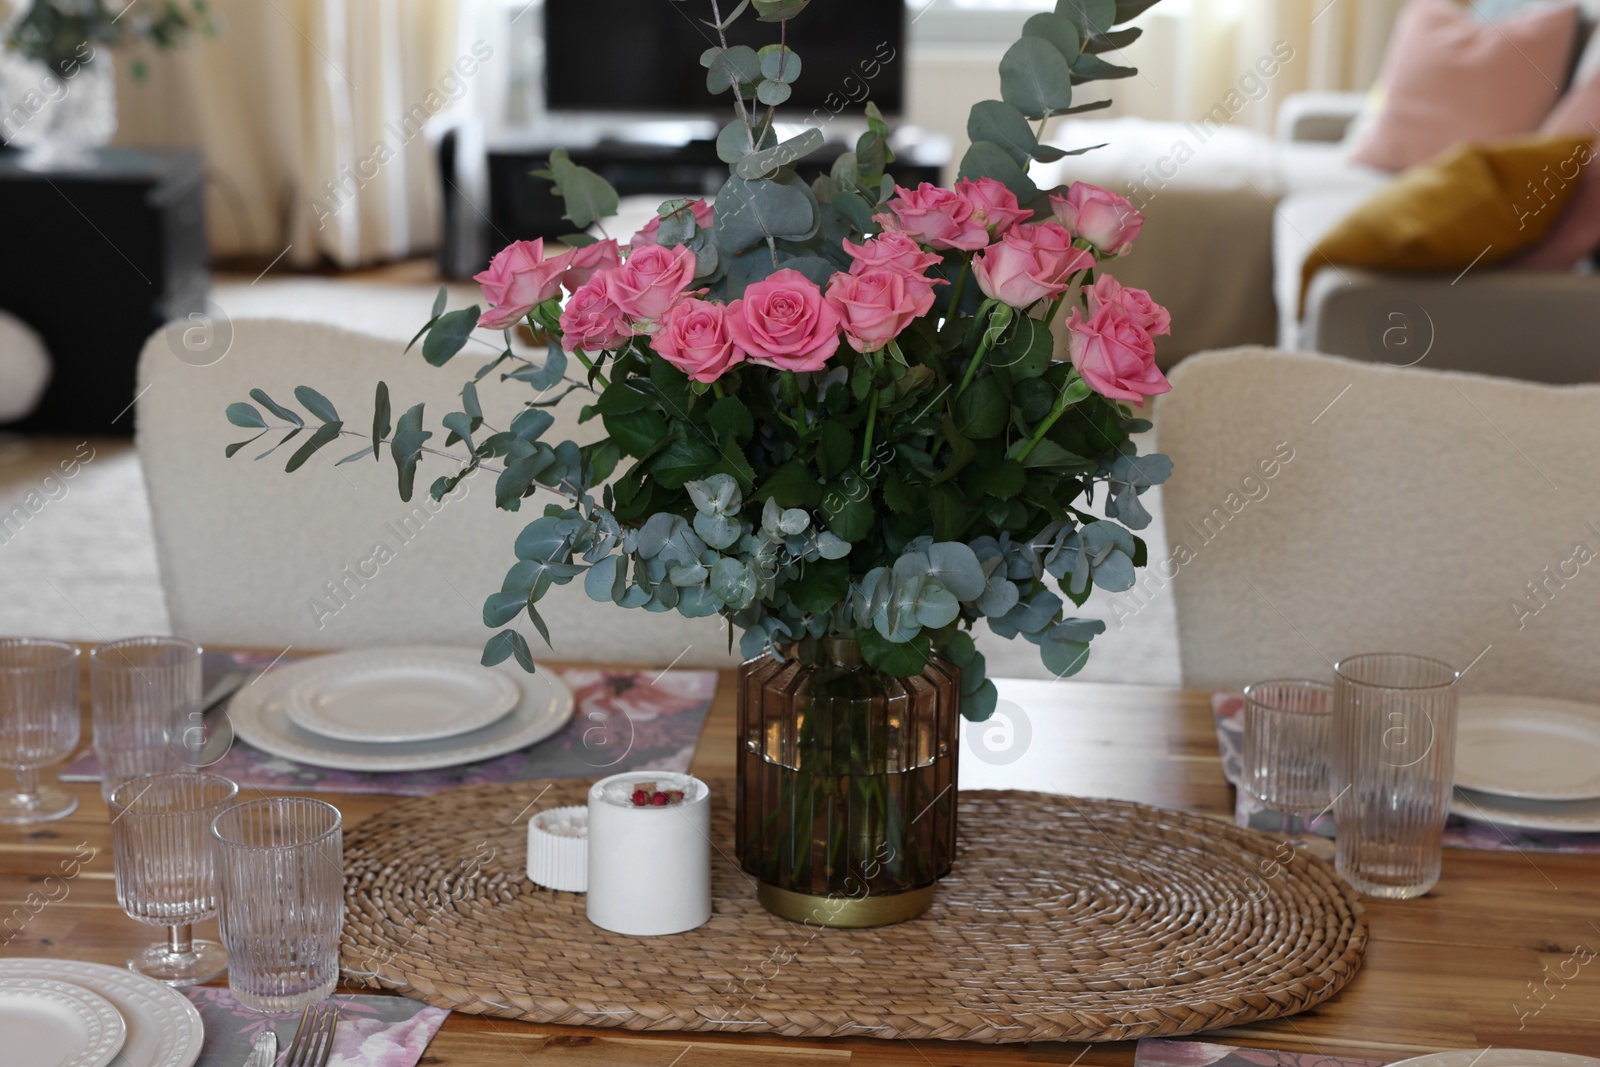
(640, 797)
(676, 795)
(659, 799)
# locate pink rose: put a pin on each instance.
(1029, 263)
(584, 263)
(784, 322)
(993, 205)
(592, 319)
(651, 280)
(890, 251)
(518, 278)
(650, 234)
(936, 217)
(1099, 216)
(876, 305)
(1134, 305)
(1115, 355)
(693, 336)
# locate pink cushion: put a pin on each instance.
(1450, 77)
(1576, 234)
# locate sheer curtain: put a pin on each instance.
(312, 115)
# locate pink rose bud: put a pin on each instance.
(936, 217)
(592, 320)
(584, 263)
(1030, 263)
(876, 305)
(518, 278)
(993, 205)
(651, 233)
(1133, 304)
(1115, 355)
(693, 336)
(1099, 216)
(891, 251)
(651, 280)
(784, 322)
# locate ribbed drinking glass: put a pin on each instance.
(282, 869)
(38, 724)
(146, 691)
(1286, 757)
(1394, 727)
(166, 871)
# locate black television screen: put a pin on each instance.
(644, 55)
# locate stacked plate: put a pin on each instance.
(88, 1015)
(399, 709)
(1531, 763)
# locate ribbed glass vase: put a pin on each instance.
(846, 784)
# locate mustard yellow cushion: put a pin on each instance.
(1472, 204)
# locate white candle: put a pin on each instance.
(649, 865)
(558, 848)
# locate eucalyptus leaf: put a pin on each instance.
(1035, 78)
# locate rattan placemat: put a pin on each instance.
(1065, 919)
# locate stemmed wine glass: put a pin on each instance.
(166, 869)
(38, 724)
(1286, 754)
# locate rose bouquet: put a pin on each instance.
(831, 408)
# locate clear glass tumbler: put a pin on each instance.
(282, 871)
(145, 690)
(1394, 730)
(165, 862)
(38, 724)
(1286, 747)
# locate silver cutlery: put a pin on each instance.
(313, 1041)
(265, 1050)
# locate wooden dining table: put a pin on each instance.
(1501, 953)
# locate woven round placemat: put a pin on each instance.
(1065, 919)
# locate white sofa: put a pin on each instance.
(1233, 213)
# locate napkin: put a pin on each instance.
(1159, 1052)
(373, 1031)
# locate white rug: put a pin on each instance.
(77, 556)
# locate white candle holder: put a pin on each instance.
(649, 866)
(558, 848)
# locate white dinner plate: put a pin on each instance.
(1581, 816)
(163, 1028)
(1499, 1057)
(1536, 748)
(390, 696)
(55, 1023)
(257, 715)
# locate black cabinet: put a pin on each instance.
(96, 260)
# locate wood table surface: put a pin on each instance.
(1502, 952)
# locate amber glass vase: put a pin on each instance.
(847, 783)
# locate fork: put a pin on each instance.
(313, 1040)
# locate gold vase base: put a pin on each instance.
(841, 912)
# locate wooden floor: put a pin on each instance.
(1477, 962)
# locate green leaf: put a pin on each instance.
(982, 411)
(501, 608)
(233, 449)
(836, 450)
(637, 433)
(1130, 9)
(673, 386)
(683, 460)
(1005, 479)
(1094, 16)
(449, 335)
(1113, 41)
(779, 10)
(324, 433)
(276, 408)
(440, 301)
(316, 403)
(999, 123)
(847, 510)
(1035, 78)
(406, 447)
(1061, 32)
(772, 94)
(730, 419)
(791, 486)
(508, 643)
(979, 706)
(380, 418)
(588, 196)
(768, 160)
(903, 660)
(779, 63)
(949, 512)
(748, 212)
(985, 159)
(550, 374)
(459, 423)
(733, 143)
(822, 584)
(1088, 68)
(246, 415)
(725, 66)
(1026, 351)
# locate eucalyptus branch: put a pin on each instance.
(738, 97)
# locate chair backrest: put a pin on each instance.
(1321, 507)
(329, 556)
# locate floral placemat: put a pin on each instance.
(623, 721)
(1228, 710)
(1159, 1052)
(373, 1031)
